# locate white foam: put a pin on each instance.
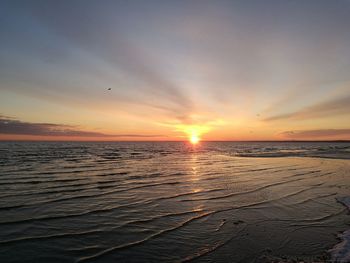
(341, 251)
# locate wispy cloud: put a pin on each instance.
(333, 107)
(134, 73)
(16, 127)
(311, 134)
(80, 60)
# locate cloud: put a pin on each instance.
(75, 65)
(167, 61)
(16, 127)
(302, 134)
(329, 108)
(129, 67)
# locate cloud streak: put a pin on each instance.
(333, 107)
(16, 127)
(83, 55)
(311, 134)
(109, 44)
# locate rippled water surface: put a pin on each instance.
(171, 202)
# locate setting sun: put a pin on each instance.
(193, 132)
(194, 139)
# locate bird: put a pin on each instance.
(109, 89)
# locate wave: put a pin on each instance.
(95, 211)
(211, 248)
(97, 231)
(138, 242)
(331, 153)
(252, 190)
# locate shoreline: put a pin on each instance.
(341, 251)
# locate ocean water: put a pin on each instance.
(174, 202)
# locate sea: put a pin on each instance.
(174, 202)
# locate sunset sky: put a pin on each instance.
(222, 70)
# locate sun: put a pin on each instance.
(194, 139)
(193, 132)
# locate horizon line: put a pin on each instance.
(347, 140)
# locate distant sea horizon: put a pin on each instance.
(184, 141)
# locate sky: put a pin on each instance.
(170, 70)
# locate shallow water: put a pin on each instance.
(171, 202)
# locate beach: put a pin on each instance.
(174, 202)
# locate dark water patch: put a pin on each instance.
(210, 248)
(249, 191)
(22, 182)
(139, 242)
